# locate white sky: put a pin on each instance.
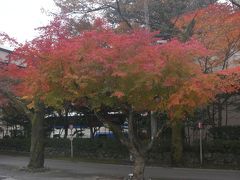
(19, 18)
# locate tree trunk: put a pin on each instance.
(37, 139)
(177, 142)
(226, 115)
(66, 124)
(138, 167)
(136, 149)
(213, 115)
(65, 131)
(220, 109)
(37, 131)
(91, 132)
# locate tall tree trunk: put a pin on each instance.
(177, 142)
(37, 138)
(37, 131)
(136, 149)
(138, 166)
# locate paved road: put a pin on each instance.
(59, 170)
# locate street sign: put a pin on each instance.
(200, 126)
(70, 126)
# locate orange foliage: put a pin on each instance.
(229, 80)
(218, 28)
(109, 69)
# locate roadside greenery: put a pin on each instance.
(112, 148)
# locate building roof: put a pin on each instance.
(5, 49)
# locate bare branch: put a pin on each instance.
(154, 138)
(235, 3)
(117, 131)
(121, 15)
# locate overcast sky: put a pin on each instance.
(19, 18)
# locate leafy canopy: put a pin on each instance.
(101, 68)
(217, 27)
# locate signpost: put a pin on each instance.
(71, 139)
(200, 141)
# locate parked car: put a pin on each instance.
(104, 135)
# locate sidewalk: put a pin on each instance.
(66, 170)
(12, 168)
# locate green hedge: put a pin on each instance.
(113, 148)
(225, 132)
(15, 144)
(88, 147)
(223, 146)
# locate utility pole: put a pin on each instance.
(153, 124)
(71, 139)
(200, 142)
(146, 14)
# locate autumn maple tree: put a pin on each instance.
(129, 73)
(217, 28)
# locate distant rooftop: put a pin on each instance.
(5, 48)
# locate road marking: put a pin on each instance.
(6, 178)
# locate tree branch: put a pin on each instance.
(235, 3)
(20, 106)
(117, 131)
(118, 9)
(154, 138)
(92, 10)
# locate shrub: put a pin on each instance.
(223, 146)
(225, 132)
(15, 144)
(111, 148)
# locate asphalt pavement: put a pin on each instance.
(11, 168)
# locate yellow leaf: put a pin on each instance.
(31, 105)
(25, 98)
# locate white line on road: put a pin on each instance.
(6, 178)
